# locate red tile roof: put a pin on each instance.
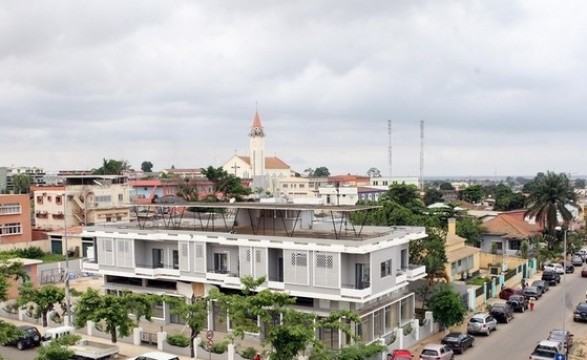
(510, 225)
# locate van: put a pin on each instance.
(155, 355)
(56, 333)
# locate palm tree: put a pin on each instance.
(548, 199)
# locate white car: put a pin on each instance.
(557, 268)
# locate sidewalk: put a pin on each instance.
(126, 350)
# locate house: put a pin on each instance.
(462, 260)
(15, 220)
(324, 265)
(506, 231)
(369, 193)
(294, 188)
(338, 195)
(145, 190)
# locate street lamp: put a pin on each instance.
(67, 292)
(564, 278)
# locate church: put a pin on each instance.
(264, 171)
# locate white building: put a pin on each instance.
(324, 265)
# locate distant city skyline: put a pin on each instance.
(499, 85)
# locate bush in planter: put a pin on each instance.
(56, 318)
(248, 353)
(178, 340)
(220, 348)
(11, 308)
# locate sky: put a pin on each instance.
(500, 85)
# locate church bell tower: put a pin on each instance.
(257, 147)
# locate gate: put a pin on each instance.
(148, 338)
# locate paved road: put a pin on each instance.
(11, 352)
(517, 339)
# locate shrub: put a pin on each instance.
(220, 348)
(54, 316)
(248, 353)
(11, 308)
(178, 340)
(31, 312)
(33, 252)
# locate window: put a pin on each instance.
(49, 198)
(39, 199)
(302, 186)
(10, 229)
(324, 261)
(58, 200)
(120, 197)
(103, 198)
(175, 259)
(386, 268)
(6, 209)
(299, 259)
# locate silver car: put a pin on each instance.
(577, 260)
(481, 324)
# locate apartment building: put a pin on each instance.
(15, 219)
(327, 266)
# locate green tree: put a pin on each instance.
(193, 313)
(447, 307)
(112, 167)
(406, 195)
(113, 310)
(321, 171)
(432, 196)
(524, 249)
(473, 194)
(147, 166)
(58, 349)
(10, 270)
(227, 184)
(470, 228)
(446, 186)
(309, 172)
(8, 332)
(550, 195)
(21, 183)
(44, 297)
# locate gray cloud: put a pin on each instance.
(500, 85)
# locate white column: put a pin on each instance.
(230, 351)
(197, 342)
(90, 328)
(161, 336)
(136, 336)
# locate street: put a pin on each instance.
(517, 339)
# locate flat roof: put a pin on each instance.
(263, 206)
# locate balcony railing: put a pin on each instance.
(356, 291)
(415, 272)
(157, 270)
(90, 266)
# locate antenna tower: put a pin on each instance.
(421, 155)
(389, 148)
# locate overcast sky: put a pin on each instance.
(500, 85)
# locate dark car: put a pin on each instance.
(584, 272)
(541, 285)
(532, 291)
(458, 342)
(580, 312)
(502, 312)
(518, 302)
(570, 269)
(30, 337)
(507, 292)
(551, 277)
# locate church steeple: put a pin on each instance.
(257, 146)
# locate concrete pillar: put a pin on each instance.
(21, 313)
(230, 351)
(136, 336)
(429, 317)
(90, 328)
(399, 333)
(161, 336)
(416, 328)
(471, 299)
(197, 342)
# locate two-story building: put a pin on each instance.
(15, 219)
(325, 266)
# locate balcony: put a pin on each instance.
(401, 277)
(90, 266)
(358, 291)
(415, 272)
(156, 271)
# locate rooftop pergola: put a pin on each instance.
(205, 216)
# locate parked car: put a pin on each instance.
(400, 354)
(579, 253)
(584, 271)
(481, 324)
(458, 342)
(551, 277)
(532, 291)
(547, 350)
(582, 252)
(577, 260)
(563, 336)
(558, 268)
(30, 337)
(155, 355)
(436, 352)
(518, 303)
(580, 312)
(541, 285)
(507, 292)
(569, 269)
(502, 312)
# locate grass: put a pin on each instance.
(479, 280)
(49, 258)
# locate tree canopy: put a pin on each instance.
(193, 312)
(321, 171)
(447, 307)
(112, 167)
(549, 196)
(21, 183)
(226, 184)
(147, 166)
(45, 297)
